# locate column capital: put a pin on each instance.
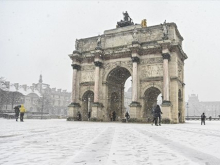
(166, 56)
(135, 59)
(76, 66)
(98, 63)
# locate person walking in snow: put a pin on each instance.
(158, 114)
(78, 116)
(17, 111)
(22, 111)
(203, 118)
(114, 115)
(127, 116)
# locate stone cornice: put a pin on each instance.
(178, 48)
(76, 56)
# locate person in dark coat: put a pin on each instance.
(158, 113)
(114, 115)
(17, 111)
(78, 116)
(89, 115)
(154, 115)
(203, 118)
(127, 116)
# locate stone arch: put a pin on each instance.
(115, 89)
(149, 86)
(150, 100)
(87, 100)
(112, 67)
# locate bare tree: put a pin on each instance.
(45, 103)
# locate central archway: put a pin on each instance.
(115, 84)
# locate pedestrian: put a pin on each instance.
(114, 115)
(210, 118)
(203, 118)
(127, 116)
(17, 111)
(158, 114)
(154, 115)
(89, 115)
(78, 116)
(22, 111)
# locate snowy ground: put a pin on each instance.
(58, 142)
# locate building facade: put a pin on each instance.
(153, 56)
(39, 97)
(196, 108)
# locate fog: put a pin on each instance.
(36, 37)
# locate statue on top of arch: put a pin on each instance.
(126, 22)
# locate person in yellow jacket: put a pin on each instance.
(22, 111)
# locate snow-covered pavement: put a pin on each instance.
(58, 142)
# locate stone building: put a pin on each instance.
(35, 95)
(196, 107)
(152, 55)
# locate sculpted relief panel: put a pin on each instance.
(87, 76)
(148, 71)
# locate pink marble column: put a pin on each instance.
(135, 79)
(166, 85)
(96, 86)
(74, 80)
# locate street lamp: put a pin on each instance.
(187, 107)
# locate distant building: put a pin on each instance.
(128, 98)
(196, 108)
(33, 96)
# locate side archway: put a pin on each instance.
(150, 100)
(87, 100)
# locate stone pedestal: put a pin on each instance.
(135, 110)
(166, 109)
(97, 111)
(73, 108)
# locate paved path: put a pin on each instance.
(55, 142)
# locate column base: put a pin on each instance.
(166, 110)
(166, 103)
(97, 111)
(135, 110)
(73, 108)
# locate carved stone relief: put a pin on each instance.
(152, 60)
(87, 76)
(152, 71)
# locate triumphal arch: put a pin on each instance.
(152, 56)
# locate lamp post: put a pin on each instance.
(187, 107)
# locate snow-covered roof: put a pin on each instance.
(23, 89)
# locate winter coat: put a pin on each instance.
(22, 109)
(203, 117)
(158, 110)
(17, 111)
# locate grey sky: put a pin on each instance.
(36, 37)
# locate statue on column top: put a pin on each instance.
(99, 41)
(165, 30)
(77, 44)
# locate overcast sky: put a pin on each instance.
(36, 37)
